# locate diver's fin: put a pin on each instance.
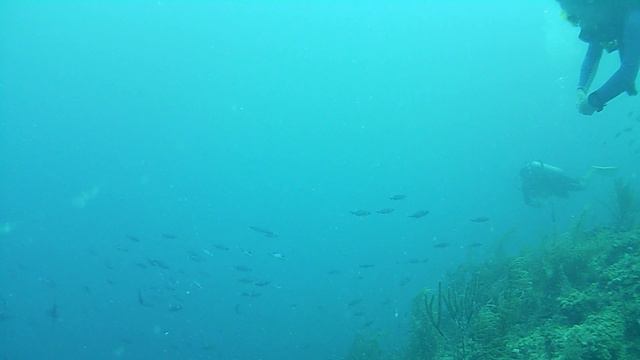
(608, 171)
(604, 170)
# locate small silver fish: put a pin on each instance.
(242, 268)
(265, 232)
(419, 214)
(385, 211)
(361, 213)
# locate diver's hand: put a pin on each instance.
(584, 107)
(581, 96)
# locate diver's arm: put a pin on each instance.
(623, 79)
(589, 67)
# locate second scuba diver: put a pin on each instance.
(541, 181)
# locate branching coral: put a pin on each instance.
(462, 303)
(626, 205)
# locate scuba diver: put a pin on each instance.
(541, 181)
(606, 25)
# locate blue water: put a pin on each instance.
(140, 141)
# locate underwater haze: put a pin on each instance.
(267, 179)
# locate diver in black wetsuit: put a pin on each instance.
(541, 181)
(606, 25)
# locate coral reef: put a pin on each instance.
(576, 296)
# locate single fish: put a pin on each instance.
(242, 268)
(169, 236)
(354, 302)
(158, 263)
(419, 214)
(265, 232)
(262, 283)
(278, 255)
(247, 252)
(385, 211)
(404, 281)
(245, 281)
(175, 307)
(479, 219)
(360, 213)
(251, 294)
(195, 256)
(334, 272)
(414, 261)
(53, 312)
(221, 247)
(475, 244)
(441, 245)
(366, 266)
(398, 197)
(142, 301)
(134, 239)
